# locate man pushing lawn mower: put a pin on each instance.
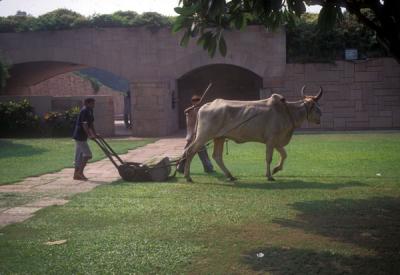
(84, 128)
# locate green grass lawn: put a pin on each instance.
(21, 158)
(327, 213)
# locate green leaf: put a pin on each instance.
(179, 24)
(186, 11)
(212, 46)
(178, 10)
(204, 40)
(185, 39)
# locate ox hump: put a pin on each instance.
(277, 98)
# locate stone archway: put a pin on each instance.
(229, 82)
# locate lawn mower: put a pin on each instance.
(138, 172)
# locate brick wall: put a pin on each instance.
(357, 95)
(70, 84)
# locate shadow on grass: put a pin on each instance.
(373, 224)
(124, 182)
(9, 148)
(297, 184)
(305, 261)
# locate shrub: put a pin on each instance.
(108, 20)
(17, 23)
(152, 19)
(64, 19)
(306, 43)
(18, 118)
(60, 123)
(128, 16)
(59, 19)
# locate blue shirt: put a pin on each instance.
(85, 116)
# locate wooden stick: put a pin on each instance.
(201, 99)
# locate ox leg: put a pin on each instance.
(283, 154)
(217, 156)
(189, 154)
(268, 160)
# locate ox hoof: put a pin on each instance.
(231, 178)
(271, 179)
(189, 180)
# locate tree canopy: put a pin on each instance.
(207, 19)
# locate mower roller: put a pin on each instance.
(137, 172)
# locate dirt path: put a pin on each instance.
(57, 188)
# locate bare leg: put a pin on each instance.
(217, 156)
(82, 167)
(268, 160)
(189, 154)
(181, 165)
(283, 154)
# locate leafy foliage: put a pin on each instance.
(60, 123)
(63, 19)
(206, 19)
(59, 19)
(306, 42)
(17, 118)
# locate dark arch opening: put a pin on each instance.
(31, 73)
(229, 82)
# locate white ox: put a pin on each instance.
(270, 121)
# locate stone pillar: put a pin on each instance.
(153, 114)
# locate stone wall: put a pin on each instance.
(153, 113)
(357, 95)
(70, 84)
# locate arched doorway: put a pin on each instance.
(229, 82)
(58, 86)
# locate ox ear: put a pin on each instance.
(302, 91)
(319, 95)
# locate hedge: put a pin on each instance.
(18, 119)
(63, 19)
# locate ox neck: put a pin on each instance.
(298, 112)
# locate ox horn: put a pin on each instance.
(302, 91)
(318, 96)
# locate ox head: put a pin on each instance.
(312, 107)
